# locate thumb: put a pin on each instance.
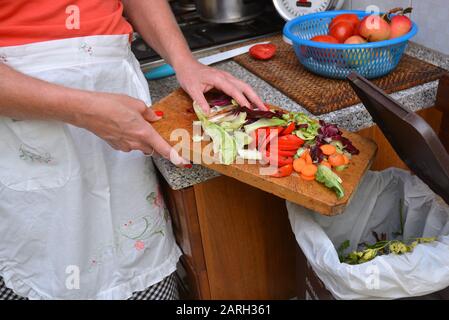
(150, 116)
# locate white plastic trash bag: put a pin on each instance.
(376, 207)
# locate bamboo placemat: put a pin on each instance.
(321, 95)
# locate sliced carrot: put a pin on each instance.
(299, 164)
(308, 158)
(326, 164)
(346, 159)
(307, 178)
(328, 149)
(309, 170)
(336, 160)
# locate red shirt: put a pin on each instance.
(29, 21)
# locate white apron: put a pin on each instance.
(79, 220)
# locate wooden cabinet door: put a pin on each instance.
(192, 273)
(249, 246)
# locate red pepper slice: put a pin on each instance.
(289, 142)
(290, 128)
(278, 160)
(291, 138)
(287, 153)
(283, 153)
(255, 135)
(288, 146)
(283, 171)
(266, 135)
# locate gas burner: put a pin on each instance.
(245, 23)
(182, 7)
(187, 6)
(201, 35)
(189, 18)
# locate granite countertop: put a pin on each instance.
(353, 118)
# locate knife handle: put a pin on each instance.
(162, 71)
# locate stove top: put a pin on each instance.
(201, 34)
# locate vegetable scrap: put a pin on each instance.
(291, 141)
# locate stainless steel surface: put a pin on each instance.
(229, 11)
(187, 4)
(200, 53)
(203, 37)
(225, 55)
(289, 9)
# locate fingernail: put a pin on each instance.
(188, 166)
(159, 113)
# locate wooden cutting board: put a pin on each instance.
(310, 194)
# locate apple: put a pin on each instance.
(374, 28)
(355, 40)
(400, 25)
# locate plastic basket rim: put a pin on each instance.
(301, 42)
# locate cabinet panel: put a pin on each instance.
(249, 246)
(192, 268)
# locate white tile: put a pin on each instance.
(347, 5)
(384, 5)
(432, 17)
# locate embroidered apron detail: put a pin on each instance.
(35, 155)
(70, 205)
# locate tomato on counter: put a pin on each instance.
(263, 51)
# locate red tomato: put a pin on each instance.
(342, 31)
(284, 171)
(263, 51)
(347, 17)
(324, 38)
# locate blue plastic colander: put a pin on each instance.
(371, 60)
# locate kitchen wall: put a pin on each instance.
(432, 17)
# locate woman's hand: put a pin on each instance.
(196, 79)
(123, 122)
(155, 22)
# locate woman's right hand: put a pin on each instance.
(123, 122)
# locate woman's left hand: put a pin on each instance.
(196, 79)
